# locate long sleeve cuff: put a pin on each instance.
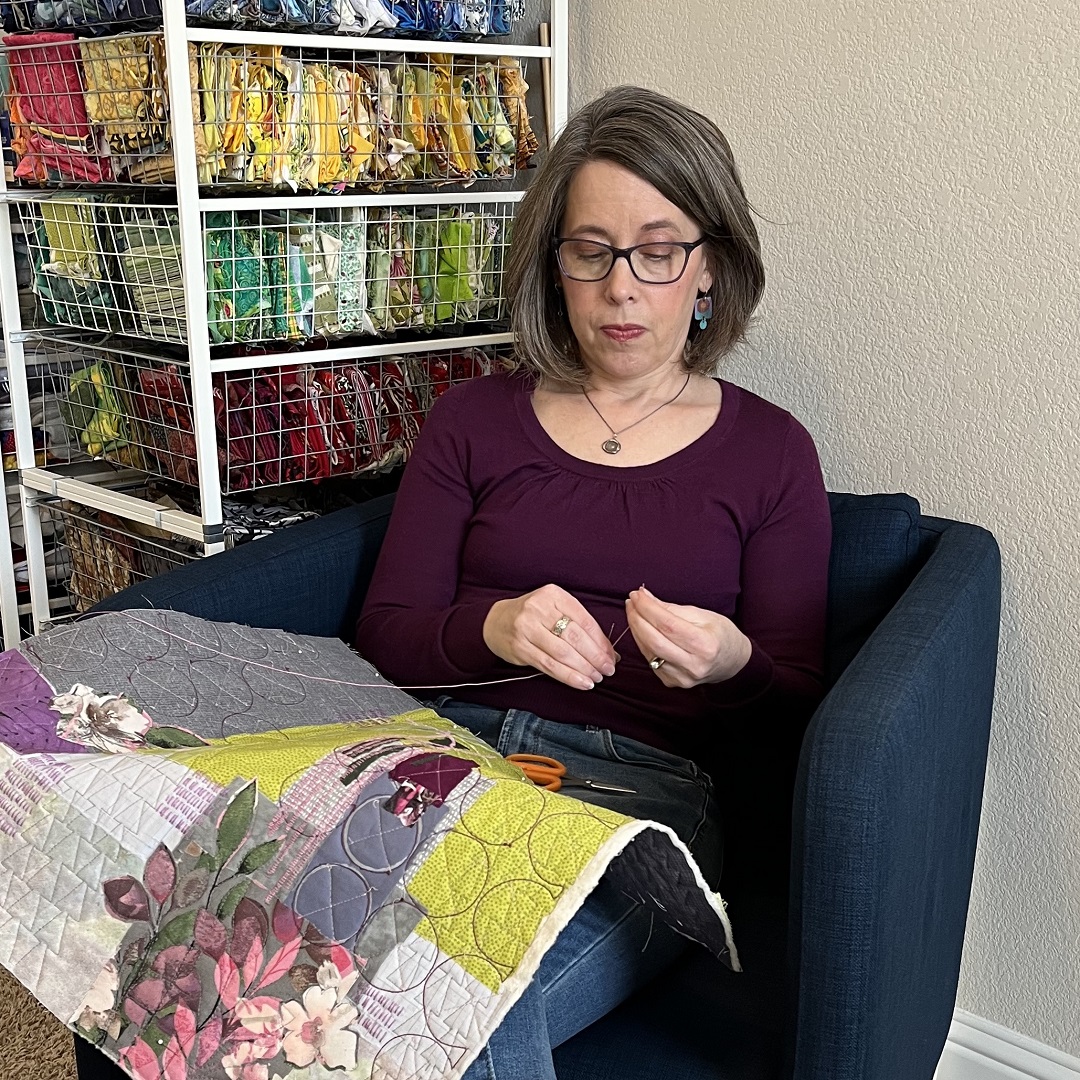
(750, 682)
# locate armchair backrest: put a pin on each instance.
(876, 551)
(875, 554)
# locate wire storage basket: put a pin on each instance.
(327, 120)
(102, 553)
(443, 19)
(319, 420)
(310, 420)
(297, 118)
(91, 111)
(272, 275)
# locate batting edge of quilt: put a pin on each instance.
(568, 906)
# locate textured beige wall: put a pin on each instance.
(918, 170)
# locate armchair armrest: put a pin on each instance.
(886, 819)
(308, 579)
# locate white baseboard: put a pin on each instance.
(980, 1050)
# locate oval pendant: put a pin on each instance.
(611, 446)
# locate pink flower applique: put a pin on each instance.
(259, 1018)
(316, 1030)
(247, 1061)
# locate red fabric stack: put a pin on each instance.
(51, 131)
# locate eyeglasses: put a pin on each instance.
(653, 264)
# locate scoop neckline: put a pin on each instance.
(706, 441)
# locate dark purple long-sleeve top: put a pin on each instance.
(490, 507)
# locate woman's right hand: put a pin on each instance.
(520, 631)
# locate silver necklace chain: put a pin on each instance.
(612, 445)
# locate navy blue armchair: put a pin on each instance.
(851, 937)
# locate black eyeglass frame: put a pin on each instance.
(688, 248)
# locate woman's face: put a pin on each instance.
(623, 326)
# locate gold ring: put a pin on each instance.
(656, 663)
(561, 625)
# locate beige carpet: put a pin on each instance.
(34, 1045)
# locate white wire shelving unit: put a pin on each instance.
(165, 334)
(15, 607)
(9, 599)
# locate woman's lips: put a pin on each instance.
(626, 332)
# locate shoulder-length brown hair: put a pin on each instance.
(686, 157)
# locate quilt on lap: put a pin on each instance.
(237, 853)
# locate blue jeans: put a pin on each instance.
(612, 945)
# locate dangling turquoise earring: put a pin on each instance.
(703, 311)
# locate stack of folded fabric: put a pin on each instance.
(467, 247)
(50, 128)
(314, 256)
(73, 276)
(369, 415)
(96, 413)
(162, 414)
(262, 422)
(236, 303)
(252, 293)
(102, 559)
(349, 273)
(126, 96)
(154, 277)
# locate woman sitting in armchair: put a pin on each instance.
(606, 554)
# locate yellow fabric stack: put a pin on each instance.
(270, 120)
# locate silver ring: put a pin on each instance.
(656, 663)
(561, 625)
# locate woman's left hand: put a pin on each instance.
(697, 646)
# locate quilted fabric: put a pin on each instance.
(237, 852)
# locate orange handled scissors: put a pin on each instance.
(551, 774)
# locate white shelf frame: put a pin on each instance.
(9, 597)
(359, 43)
(97, 497)
(15, 354)
(314, 201)
(359, 352)
(190, 205)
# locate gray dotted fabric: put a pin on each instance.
(216, 679)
